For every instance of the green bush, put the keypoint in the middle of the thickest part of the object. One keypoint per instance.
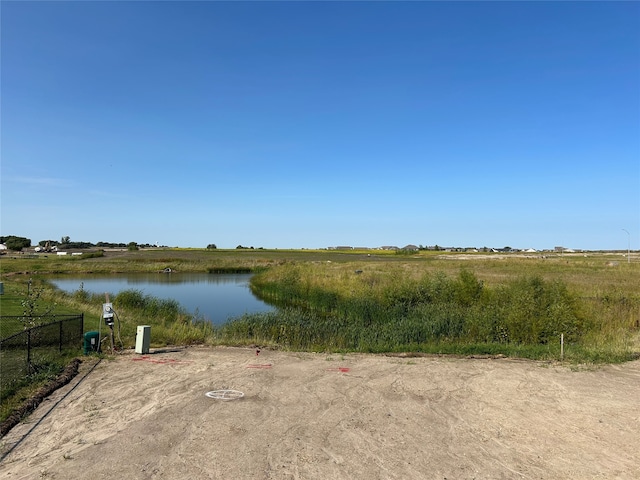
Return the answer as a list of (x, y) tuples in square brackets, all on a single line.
[(536, 312), (148, 305)]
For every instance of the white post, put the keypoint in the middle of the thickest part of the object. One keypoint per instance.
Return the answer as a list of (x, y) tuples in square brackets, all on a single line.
[(561, 346), (628, 246)]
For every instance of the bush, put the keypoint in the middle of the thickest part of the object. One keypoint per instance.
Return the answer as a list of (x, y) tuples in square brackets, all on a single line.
[(535, 311), (148, 304)]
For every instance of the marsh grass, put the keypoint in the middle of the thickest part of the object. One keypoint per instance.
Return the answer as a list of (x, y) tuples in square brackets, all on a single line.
[(517, 311), (427, 302)]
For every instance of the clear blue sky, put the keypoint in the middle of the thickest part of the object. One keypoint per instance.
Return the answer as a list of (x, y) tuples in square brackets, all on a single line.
[(315, 124)]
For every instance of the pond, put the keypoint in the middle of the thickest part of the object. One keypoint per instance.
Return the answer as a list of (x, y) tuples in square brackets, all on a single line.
[(215, 297)]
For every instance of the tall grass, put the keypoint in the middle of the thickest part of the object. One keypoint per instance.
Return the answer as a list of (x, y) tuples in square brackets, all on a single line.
[(171, 323), (430, 303), (391, 309)]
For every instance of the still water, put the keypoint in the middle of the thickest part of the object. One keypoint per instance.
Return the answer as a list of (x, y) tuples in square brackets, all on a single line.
[(216, 297)]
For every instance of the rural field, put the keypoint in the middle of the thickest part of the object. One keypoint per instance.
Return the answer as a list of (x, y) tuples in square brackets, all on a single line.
[(390, 366)]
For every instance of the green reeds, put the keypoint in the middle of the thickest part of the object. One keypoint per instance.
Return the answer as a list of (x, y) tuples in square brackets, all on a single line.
[(390, 310)]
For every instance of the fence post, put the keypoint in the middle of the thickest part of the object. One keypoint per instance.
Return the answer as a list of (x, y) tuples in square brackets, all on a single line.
[(29, 350)]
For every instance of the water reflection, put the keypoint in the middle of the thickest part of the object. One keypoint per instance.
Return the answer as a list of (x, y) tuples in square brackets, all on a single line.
[(216, 297)]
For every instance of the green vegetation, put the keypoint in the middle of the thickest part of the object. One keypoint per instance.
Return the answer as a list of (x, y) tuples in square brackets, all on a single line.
[(375, 301), (410, 308), (15, 243), (367, 301), (19, 392)]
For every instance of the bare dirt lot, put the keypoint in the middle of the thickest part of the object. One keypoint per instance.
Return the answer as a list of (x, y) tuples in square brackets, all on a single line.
[(321, 416)]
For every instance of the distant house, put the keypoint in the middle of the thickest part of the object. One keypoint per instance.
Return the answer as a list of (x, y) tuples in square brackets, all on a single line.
[(388, 247), (410, 248)]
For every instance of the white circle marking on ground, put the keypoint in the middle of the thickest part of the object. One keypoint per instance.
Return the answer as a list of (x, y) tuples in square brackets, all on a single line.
[(224, 394)]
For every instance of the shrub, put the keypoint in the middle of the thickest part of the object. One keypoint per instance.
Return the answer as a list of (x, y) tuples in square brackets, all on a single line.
[(535, 311)]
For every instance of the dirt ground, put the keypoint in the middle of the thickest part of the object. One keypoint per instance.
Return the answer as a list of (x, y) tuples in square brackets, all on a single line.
[(321, 416)]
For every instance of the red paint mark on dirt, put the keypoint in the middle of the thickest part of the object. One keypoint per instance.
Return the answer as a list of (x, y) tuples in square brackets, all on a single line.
[(339, 369)]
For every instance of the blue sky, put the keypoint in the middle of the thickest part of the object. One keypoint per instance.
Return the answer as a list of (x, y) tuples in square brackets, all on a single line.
[(316, 124)]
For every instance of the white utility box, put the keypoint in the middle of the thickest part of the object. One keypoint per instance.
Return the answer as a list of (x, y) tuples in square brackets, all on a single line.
[(143, 338)]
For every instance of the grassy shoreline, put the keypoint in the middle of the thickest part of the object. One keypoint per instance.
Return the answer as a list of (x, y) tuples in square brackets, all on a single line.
[(387, 295)]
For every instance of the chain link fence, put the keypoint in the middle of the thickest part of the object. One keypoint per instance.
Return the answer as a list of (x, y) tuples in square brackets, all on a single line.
[(37, 349)]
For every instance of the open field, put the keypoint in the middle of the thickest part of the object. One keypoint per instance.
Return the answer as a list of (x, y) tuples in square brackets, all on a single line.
[(318, 416), (504, 300), (590, 270)]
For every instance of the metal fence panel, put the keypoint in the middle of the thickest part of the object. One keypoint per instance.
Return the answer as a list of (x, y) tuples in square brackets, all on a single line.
[(34, 349), (14, 324)]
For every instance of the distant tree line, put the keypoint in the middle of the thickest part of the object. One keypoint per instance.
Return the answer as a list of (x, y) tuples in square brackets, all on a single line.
[(17, 243)]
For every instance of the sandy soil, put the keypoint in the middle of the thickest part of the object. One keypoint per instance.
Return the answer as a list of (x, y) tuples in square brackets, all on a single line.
[(319, 416)]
